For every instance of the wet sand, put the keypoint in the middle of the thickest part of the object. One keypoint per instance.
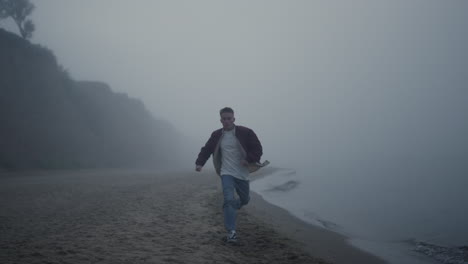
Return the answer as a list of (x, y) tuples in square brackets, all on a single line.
[(117, 216)]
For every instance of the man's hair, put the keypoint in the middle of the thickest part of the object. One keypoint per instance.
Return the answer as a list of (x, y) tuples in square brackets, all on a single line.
[(226, 110)]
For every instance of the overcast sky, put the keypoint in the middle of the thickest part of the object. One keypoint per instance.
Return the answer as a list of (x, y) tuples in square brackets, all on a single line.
[(314, 79)]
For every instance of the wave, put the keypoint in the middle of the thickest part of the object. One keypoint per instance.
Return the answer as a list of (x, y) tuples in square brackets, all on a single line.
[(443, 254), (285, 187), (279, 179)]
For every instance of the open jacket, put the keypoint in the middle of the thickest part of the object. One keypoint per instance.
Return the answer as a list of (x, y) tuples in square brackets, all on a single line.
[(250, 147)]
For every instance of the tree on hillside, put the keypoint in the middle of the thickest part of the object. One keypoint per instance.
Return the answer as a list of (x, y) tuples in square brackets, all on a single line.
[(3, 12), (19, 10)]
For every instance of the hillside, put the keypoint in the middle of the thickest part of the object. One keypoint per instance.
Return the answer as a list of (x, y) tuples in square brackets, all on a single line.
[(50, 121)]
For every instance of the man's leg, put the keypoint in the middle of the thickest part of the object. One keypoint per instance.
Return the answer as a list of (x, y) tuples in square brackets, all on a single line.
[(230, 204), (243, 190)]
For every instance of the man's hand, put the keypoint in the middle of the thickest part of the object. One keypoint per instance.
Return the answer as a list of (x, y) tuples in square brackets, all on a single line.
[(244, 163), (198, 168)]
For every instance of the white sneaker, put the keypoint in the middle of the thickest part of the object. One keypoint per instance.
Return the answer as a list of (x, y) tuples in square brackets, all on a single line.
[(231, 237)]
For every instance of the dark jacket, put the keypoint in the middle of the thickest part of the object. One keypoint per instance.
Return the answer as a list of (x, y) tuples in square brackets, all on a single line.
[(250, 146)]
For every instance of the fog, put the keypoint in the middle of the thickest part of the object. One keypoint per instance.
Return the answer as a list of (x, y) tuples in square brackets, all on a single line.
[(343, 83), (340, 83), (370, 93)]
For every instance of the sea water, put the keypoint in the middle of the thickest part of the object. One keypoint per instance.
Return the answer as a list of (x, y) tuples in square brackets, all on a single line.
[(401, 218)]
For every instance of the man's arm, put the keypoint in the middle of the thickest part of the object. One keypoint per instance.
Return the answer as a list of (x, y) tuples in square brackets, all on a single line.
[(205, 152), (255, 150)]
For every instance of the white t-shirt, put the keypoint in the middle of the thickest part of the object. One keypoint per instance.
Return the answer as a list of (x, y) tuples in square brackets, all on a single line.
[(231, 156)]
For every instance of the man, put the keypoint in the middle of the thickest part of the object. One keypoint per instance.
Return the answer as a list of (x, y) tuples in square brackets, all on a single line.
[(236, 152)]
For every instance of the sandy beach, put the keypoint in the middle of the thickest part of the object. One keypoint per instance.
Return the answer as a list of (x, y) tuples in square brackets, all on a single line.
[(117, 216)]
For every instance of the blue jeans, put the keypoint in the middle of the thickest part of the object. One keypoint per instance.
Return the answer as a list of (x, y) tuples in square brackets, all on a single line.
[(231, 204)]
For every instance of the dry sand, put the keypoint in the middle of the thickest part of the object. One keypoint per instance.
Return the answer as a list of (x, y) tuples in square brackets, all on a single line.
[(147, 217)]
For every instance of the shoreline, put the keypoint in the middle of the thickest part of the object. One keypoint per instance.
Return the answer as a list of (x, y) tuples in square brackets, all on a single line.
[(319, 242), (385, 251)]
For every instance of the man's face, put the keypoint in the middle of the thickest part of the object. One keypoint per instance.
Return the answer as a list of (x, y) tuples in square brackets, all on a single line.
[(227, 119)]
